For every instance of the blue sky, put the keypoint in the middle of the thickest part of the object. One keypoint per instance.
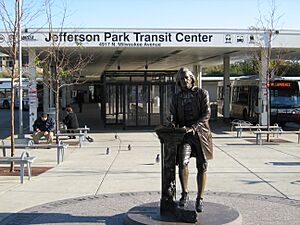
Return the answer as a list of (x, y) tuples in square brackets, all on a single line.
[(179, 13), (170, 13)]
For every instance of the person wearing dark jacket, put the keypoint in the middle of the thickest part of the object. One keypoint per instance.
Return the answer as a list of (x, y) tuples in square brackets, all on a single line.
[(71, 120), (190, 109), (43, 127)]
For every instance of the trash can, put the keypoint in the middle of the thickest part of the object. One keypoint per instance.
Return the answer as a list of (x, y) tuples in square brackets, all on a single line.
[(214, 110)]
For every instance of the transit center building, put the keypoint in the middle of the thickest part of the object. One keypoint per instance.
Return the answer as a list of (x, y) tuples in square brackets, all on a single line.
[(132, 71)]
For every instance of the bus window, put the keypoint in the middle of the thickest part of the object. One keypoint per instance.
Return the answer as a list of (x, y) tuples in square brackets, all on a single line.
[(243, 95), (220, 93), (5, 96), (285, 94)]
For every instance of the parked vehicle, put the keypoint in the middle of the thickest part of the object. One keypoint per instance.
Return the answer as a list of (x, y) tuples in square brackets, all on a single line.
[(5, 94), (284, 98)]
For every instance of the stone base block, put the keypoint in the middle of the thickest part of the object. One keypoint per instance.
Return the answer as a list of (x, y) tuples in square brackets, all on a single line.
[(213, 214)]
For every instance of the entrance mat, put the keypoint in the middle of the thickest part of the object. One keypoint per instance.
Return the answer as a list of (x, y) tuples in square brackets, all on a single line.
[(35, 171), (273, 141)]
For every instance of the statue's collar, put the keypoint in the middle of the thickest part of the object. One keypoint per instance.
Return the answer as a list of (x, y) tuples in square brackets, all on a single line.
[(194, 88)]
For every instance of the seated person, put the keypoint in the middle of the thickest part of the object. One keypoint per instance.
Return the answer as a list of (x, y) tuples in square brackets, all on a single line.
[(43, 127), (71, 120)]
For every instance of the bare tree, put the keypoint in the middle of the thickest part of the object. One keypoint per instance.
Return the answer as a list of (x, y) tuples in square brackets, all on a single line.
[(11, 16), (268, 63), (63, 66), (14, 14), (10, 24)]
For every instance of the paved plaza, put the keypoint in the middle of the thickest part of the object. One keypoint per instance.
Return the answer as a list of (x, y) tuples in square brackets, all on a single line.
[(93, 187)]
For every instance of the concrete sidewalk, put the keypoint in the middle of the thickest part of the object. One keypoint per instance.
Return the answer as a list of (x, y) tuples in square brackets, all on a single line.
[(239, 166)]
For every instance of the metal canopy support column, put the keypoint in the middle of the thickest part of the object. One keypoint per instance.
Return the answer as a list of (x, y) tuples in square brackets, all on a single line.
[(46, 92), (32, 94), (226, 87), (64, 97), (19, 29), (197, 70), (68, 97), (262, 94), (51, 83)]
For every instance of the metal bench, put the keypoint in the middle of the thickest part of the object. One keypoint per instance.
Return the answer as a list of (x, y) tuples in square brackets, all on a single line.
[(22, 160), (83, 130), (237, 122), (60, 147), (239, 128), (259, 134), (80, 135)]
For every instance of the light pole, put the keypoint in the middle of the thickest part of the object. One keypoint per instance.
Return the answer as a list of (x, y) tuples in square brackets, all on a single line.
[(19, 14)]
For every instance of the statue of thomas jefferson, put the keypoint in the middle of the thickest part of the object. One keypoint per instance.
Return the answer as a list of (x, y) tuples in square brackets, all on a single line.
[(190, 109)]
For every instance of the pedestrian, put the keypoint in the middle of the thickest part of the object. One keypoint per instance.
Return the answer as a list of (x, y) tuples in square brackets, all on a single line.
[(190, 109), (80, 100), (43, 127), (71, 120)]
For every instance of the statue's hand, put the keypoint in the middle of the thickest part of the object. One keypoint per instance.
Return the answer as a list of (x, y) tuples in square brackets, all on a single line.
[(190, 130), (171, 121), (171, 125)]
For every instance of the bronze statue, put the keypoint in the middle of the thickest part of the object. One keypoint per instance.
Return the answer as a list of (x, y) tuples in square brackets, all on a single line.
[(190, 109)]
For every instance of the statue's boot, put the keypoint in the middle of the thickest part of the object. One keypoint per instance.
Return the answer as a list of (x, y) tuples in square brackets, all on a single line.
[(184, 177), (201, 181)]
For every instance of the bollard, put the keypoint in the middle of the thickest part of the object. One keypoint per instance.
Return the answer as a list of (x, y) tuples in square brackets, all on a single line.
[(157, 158)]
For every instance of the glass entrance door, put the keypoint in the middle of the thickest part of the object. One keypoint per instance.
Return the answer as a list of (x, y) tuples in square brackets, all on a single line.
[(114, 104), (137, 98), (138, 104), (155, 104)]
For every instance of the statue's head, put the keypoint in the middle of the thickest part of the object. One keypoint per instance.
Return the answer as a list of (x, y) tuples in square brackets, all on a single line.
[(185, 78)]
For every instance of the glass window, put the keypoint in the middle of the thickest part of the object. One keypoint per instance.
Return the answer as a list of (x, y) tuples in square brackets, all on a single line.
[(285, 94)]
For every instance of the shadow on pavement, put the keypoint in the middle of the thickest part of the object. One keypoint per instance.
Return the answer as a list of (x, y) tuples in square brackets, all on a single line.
[(54, 218)]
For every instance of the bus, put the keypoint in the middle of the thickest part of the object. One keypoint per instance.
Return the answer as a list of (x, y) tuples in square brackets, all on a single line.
[(5, 93), (284, 98)]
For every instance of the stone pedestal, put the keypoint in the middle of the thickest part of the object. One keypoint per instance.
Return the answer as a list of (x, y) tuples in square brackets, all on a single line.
[(169, 138), (213, 214), (186, 214)]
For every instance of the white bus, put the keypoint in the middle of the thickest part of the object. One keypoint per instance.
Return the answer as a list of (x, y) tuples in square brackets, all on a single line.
[(5, 93), (284, 98)]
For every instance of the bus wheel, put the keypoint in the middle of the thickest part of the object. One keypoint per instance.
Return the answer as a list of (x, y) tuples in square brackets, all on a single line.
[(6, 105), (245, 114)]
